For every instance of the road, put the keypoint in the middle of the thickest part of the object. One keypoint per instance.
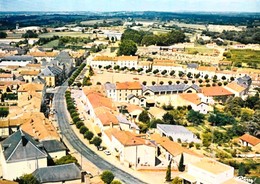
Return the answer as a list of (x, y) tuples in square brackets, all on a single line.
[(77, 144)]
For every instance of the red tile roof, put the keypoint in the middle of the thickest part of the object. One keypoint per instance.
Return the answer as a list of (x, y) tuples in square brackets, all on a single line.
[(250, 139), (128, 85), (215, 91)]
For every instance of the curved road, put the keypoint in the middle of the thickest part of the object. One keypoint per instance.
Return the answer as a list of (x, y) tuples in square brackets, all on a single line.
[(62, 117)]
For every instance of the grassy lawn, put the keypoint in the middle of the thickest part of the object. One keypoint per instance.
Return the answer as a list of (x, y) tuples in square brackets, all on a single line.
[(199, 50), (245, 56), (51, 44), (71, 34)]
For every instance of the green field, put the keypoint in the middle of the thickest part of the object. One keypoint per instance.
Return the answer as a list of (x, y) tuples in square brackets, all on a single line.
[(199, 50), (71, 34), (51, 44), (245, 56)]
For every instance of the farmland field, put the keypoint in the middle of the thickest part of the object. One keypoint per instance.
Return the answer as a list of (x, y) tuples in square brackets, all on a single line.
[(245, 56), (71, 34), (51, 44)]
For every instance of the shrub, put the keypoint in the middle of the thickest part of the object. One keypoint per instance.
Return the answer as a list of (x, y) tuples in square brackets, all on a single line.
[(107, 176), (83, 129), (88, 135), (79, 124)]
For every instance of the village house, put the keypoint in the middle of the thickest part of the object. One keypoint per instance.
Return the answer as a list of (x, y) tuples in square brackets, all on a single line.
[(21, 152), (158, 90), (206, 70), (196, 100), (168, 150), (53, 75), (216, 94), (44, 56), (54, 148), (66, 173), (177, 133), (31, 96), (251, 141), (238, 90), (16, 60), (131, 149), (29, 75), (167, 65), (121, 91), (6, 77), (209, 171), (102, 61), (127, 61)]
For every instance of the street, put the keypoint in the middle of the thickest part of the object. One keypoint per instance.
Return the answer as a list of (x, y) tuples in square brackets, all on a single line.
[(68, 133)]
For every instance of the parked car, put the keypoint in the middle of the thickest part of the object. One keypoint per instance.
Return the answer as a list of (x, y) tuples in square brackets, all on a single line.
[(107, 152), (100, 148)]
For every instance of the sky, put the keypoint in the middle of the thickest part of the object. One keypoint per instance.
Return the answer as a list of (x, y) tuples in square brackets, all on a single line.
[(132, 5)]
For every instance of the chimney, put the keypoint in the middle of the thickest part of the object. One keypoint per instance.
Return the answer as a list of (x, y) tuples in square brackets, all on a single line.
[(24, 140)]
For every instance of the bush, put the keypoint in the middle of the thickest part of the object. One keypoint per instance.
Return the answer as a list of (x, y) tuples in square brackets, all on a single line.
[(88, 135), (83, 129), (197, 145), (66, 160), (107, 176), (79, 124), (96, 141)]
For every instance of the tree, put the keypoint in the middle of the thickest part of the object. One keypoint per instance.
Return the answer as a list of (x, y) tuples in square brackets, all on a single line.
[(223, 77), (116, 182), (107, 176), (170, 82), (88, 135), (127, 47), (153, 83), (241, 169), (96, 141), (149, 40), (172, 73), (200, 81), (168, 118), (144, 117), (189, 75), (30, 34), (195, 117), (168, 172), (161, 82), (154, 123), (66, 160), (181, 166), (176, 180), (3, 34), (206, 139), (27, 179), (206, 76), (144, 83)]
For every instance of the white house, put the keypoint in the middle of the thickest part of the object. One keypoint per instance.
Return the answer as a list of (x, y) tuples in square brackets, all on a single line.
[(177, 132), (21, 152), (130, 148), (209, 171)]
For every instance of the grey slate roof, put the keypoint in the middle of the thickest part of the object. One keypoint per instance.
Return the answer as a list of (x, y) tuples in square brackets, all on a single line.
[(39, 80), (122, 119), (244, 81), (53, 146), (64, 57), (21, 146), (109, 86), (18, 58), (51, 71), (166, 88), (58, 173), (173, 129)]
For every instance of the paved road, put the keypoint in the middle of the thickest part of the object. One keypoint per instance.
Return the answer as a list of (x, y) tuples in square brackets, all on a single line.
[(62, 117)]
